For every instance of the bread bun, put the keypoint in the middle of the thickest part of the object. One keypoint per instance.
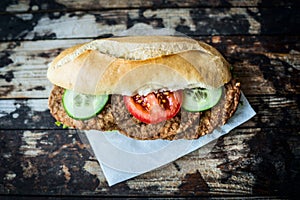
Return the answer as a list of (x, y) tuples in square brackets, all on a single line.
[(127, 65)]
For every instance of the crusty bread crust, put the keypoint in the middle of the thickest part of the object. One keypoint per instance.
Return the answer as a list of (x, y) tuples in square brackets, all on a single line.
[(139, 64)]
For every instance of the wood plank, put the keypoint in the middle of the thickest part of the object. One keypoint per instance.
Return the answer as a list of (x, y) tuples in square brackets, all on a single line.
[(263, 64), (272, 111), (259, 158), (244, 162), (87, 197), (23, 66), (67, 5), (190, 21)]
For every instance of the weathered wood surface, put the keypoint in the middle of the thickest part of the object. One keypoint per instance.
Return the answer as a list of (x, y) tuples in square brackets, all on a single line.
[(259, 158), (191, 21), (24, 64), (246, 161), (65, 5)]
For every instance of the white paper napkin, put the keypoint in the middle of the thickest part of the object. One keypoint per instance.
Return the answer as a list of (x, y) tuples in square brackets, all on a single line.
[(122, 158)]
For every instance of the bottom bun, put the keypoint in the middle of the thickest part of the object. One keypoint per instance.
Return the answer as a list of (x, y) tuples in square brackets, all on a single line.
[(185, 125)]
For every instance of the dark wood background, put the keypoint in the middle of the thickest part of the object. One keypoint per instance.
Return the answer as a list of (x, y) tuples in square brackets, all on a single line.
[(260, 158)]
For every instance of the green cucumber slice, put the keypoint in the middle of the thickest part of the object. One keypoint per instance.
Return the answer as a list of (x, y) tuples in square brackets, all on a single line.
[(200, 99), (82, 106)]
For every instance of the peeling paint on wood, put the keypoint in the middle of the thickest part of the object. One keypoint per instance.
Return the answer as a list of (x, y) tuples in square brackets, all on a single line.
[(31, 112), (93, 168), (73, 24), (28, 63), (67, 173), (29, 147), (252, 61), (224, 170), (29, 170), (63, 5), (258, 37), (190, 21)]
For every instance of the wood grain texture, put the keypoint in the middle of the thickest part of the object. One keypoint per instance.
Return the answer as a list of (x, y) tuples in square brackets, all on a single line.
[(261, 66), (67, 5), (25, 66), (259, 159), (190, 21), (242, 163)]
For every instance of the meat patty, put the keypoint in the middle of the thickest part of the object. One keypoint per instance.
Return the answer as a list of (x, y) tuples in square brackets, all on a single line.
[(185, 125)]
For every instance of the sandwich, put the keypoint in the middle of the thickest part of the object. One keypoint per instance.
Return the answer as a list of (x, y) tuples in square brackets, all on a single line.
[(145, 87)]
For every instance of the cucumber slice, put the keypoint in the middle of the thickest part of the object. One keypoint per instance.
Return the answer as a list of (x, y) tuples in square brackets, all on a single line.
[(82, 106), (199, 99)]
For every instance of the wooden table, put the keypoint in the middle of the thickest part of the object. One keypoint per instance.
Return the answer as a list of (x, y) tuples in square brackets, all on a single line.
[(259, 158)]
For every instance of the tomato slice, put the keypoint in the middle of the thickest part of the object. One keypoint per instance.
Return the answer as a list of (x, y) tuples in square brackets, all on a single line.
[(154, 107)]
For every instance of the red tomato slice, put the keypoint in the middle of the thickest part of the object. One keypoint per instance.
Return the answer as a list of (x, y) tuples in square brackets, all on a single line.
[(155, 107)]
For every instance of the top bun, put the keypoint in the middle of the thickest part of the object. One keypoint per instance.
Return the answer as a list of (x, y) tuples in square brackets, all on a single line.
[(139, 64)]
